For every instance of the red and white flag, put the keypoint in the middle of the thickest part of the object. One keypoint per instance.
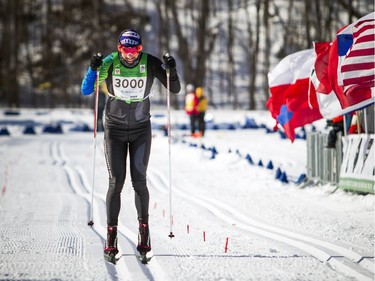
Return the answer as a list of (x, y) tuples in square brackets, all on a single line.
[(289, 84)]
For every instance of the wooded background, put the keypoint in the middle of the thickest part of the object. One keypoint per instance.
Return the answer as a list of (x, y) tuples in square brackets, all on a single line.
[(226, 46)]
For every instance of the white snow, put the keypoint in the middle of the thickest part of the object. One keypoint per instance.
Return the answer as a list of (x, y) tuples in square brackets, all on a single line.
[(273, 230)]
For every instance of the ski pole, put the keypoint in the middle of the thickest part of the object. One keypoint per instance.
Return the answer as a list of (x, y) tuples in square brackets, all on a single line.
[(96, 98), (169, 147)]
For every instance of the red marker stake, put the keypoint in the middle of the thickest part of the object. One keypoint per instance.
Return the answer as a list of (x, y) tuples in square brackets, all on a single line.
[(188, 229), (204, 236), (4, 189), (226, 245)]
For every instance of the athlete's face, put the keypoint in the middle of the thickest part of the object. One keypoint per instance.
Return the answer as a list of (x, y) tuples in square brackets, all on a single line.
[(130, 54)]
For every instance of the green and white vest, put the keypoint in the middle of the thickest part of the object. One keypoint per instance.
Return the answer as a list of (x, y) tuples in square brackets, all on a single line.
[(129, 84)]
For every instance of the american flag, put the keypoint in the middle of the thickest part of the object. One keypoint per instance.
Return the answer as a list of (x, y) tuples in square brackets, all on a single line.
[(351, 64), (356, 50), (329, 105)]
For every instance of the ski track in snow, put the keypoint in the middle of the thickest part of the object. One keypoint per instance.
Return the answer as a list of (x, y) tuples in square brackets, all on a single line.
[(349, 262), (81, 187), (341, 259)]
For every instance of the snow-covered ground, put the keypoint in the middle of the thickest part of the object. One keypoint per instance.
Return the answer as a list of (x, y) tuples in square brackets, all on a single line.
[(231, 220)]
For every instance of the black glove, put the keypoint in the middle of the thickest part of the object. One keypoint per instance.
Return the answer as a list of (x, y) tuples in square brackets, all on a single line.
[(96, 61), (169, 61)]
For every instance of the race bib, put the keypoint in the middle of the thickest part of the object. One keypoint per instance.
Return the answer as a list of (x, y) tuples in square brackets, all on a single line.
[(129, 89)]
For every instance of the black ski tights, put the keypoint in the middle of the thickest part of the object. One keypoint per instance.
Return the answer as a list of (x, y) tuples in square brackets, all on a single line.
[(117, 144)]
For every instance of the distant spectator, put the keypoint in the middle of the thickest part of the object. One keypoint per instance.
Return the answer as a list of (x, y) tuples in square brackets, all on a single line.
[(355, 126), (191, 102), (352, 126), (201, 110), (337, 125)]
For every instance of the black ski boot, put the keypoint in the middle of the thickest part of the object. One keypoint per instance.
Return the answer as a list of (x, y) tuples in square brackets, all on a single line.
[(110, 248), (144, 243)]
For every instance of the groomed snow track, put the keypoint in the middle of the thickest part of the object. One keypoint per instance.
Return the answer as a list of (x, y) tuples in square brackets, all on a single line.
[(341, 259), (77, 243), (128, 267)]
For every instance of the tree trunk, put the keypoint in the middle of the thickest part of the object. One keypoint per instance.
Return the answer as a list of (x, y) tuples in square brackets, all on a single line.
[(307, 24), (231, 64), (267, 51), (10, 46), (253, 54)]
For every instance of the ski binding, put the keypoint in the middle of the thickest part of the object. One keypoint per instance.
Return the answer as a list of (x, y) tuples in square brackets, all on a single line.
[(111, 257), (145, 257)]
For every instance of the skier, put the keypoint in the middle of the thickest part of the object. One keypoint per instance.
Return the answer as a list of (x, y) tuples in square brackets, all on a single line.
[(129, 74)]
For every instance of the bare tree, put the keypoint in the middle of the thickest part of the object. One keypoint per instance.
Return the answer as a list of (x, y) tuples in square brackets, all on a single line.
[(267, 50), (11, 18), (194, 56), (253, 47), (354, 12), (231, 64), (45, 45)]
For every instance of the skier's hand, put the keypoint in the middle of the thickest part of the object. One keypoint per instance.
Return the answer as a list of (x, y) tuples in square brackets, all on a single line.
[(96, 61), (169, 61)]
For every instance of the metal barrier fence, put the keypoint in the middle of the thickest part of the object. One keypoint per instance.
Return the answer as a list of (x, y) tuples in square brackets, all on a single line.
[(323, 164)]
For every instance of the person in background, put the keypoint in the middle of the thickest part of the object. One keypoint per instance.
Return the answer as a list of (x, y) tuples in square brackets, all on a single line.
[(191, 102), (337, 125), (355, 125), (352, 126), (129, 74), (201, 109)]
